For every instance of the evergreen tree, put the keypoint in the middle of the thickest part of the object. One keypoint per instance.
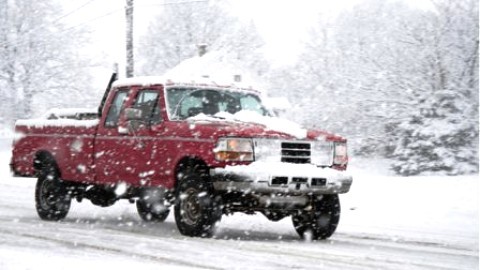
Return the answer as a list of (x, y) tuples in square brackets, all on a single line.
[(397, 81), (438, 138), (441, 134)]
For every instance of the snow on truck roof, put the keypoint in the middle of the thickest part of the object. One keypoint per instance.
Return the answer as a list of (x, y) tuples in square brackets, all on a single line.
[(196, 83)]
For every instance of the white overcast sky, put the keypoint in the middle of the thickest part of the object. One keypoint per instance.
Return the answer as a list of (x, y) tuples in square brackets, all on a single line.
[(283, 23)]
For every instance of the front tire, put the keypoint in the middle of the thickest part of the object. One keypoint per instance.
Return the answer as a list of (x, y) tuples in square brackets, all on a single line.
[(320, 222), (52, 200), (197, 210)]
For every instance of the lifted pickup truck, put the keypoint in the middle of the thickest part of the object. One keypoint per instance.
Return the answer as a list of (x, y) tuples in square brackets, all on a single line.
[(207, 150)]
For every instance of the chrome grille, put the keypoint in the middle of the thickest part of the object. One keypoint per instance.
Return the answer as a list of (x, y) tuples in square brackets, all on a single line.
[(317, 152), (293, 152)]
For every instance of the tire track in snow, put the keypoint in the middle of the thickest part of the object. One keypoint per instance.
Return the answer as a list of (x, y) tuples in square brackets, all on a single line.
[(448, 249), (341, 252), (76, 244), (227, 248), (347, 260)]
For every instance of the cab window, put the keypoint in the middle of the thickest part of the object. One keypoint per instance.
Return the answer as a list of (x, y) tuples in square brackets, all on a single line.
[(114, 111), (147, 102)]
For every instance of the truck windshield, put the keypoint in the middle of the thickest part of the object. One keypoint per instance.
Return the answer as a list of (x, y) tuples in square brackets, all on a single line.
[(188, 102)]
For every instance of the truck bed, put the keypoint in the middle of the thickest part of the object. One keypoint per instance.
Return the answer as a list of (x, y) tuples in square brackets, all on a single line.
[(51, 134)]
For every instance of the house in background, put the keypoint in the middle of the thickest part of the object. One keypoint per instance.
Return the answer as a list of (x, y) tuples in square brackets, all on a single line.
[(218, 67), (224, 69)]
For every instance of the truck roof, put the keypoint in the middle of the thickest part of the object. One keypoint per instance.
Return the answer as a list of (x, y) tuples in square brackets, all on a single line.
[(196, 83)]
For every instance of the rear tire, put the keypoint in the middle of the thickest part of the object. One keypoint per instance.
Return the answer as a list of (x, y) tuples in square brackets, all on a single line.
[(197, 209), (152, 212), (52, 199), (322, 221)]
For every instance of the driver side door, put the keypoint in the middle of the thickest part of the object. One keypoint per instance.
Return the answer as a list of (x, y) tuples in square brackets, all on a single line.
[(128, 152)]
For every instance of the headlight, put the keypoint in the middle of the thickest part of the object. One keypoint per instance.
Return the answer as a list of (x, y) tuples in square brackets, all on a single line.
[(234, 149), (340, 156)]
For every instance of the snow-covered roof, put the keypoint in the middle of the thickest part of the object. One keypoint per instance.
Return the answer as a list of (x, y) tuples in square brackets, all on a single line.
[(140, 80), (197, 82), (214, 69), (218, 67)]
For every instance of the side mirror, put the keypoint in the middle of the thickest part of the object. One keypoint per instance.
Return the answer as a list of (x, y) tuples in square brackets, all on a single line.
[(132, 114), (134, 119)]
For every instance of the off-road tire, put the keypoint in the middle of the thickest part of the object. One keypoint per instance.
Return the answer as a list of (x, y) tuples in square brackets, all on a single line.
[(148, 211), (320, 222), (197, 209), (52, 199)]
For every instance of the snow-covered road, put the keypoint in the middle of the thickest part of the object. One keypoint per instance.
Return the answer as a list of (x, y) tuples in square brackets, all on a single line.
[(386, 223)]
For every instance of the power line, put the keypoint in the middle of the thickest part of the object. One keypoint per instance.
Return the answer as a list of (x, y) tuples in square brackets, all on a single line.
[(19, 42), (93, 19), (53, 22), (181, 2), (73, 11)]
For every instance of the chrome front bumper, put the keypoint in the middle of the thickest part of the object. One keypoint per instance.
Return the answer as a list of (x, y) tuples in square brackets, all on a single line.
[(281, 178)]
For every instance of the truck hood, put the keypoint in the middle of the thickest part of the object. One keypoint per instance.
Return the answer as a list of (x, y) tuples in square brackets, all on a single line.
[(251, 124), (212, 128)]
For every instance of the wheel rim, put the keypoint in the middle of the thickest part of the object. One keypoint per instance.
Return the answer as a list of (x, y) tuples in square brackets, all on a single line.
[(323, 221), (191, 208), (47, 195)]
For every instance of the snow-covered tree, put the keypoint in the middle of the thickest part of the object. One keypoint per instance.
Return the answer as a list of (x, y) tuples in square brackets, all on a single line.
[(38, 56), (349, 74), (396, 80), (441, 134), (182, 26)]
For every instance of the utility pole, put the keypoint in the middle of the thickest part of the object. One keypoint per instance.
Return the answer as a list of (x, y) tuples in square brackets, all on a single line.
[(129, 38)]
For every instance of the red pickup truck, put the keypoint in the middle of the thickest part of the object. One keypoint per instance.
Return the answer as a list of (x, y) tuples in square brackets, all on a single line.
[(205, 149)]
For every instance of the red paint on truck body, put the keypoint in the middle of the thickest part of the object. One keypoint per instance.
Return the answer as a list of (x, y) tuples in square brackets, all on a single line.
[(100, 154)]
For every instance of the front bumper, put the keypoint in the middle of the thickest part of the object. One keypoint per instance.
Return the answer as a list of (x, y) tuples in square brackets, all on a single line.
[(281, 178)]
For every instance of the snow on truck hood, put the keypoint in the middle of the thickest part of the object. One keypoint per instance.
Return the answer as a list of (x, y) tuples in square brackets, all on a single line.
[(274, 124)]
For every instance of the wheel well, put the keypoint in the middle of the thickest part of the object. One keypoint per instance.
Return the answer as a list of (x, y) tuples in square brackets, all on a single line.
[(41, 157), (191, 164)]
